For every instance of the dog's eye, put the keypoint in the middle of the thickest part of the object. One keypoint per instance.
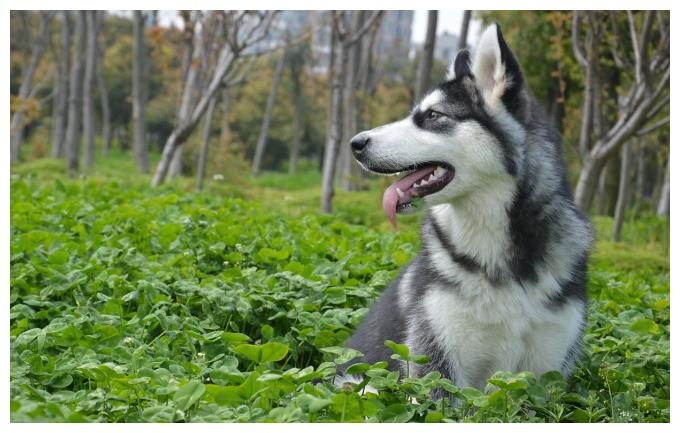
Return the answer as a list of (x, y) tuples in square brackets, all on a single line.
[(432, 115)]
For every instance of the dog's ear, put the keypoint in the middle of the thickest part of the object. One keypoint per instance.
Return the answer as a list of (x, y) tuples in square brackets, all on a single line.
[(497, 72), (460, 66)]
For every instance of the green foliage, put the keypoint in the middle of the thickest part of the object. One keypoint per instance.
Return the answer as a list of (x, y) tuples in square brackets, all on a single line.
[(131, 304)]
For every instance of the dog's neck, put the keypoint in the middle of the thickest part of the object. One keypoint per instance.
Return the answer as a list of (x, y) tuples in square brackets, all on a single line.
[(478, 224)]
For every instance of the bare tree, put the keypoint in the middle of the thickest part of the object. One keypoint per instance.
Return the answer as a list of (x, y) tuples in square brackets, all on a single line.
[(640, 173), (296, 62), (425, 66), (62, 89), (75, 99), (103, 93), (225, 131), (331, 72), (205, 143), (345, 162), (664, 207), (645, 97), (198, 73), (189, 21), (269, 110), (624, 189), (139, 58), (605, 82), (88, 88), (242, 31), (191, 81), (344, 40), (465, 25), (27, 90), (357, 78)]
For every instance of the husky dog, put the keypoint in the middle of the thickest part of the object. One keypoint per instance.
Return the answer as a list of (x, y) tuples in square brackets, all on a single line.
[(500, 281)]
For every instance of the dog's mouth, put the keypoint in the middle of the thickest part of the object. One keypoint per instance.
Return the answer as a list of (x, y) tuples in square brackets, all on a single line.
[(424, 180)]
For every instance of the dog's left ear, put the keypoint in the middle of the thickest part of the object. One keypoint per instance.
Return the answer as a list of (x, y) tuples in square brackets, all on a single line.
[(497, 72)]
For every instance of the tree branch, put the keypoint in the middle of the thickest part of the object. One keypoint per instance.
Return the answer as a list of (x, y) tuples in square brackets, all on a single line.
[(659, 105), (643, 67), (654, 126), (663, 29), (627, 125), (663, 52), (639, 47), (622, 61), (367, 26), (575, 31), (339, 24)]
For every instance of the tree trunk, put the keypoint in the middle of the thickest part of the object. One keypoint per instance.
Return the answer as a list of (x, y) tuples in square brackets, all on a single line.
[(187, 52), (297, 121), (331, 72), (587, 110), (138, 92), (191, 78), (600, 194), (26, 89), (462, 40), (664, 207), (103, 94), (624, 189), (366, 81), (608, 187), (425, 66), (348, 168), (75, 99), (587, 184), (225, 132), (640, 174), (612, 184), (269, 110), (335, 133), (224, 129), (61, 96), (176, 164), (605, 87), (205, 143), (88, 88)]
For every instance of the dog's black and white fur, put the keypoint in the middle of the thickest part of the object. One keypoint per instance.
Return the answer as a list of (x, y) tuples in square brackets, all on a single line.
[(500, 281)]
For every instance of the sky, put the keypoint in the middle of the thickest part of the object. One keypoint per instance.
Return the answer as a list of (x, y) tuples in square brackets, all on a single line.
[(448, 20)]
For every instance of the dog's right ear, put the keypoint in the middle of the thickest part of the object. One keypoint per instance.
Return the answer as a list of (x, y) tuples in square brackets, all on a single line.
[(497, 72), (460, 66)]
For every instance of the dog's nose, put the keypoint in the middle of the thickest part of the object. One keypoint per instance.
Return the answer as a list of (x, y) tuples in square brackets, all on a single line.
[(360, 141)]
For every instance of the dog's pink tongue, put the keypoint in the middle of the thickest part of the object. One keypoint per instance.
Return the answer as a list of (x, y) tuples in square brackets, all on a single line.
[(391, 198)]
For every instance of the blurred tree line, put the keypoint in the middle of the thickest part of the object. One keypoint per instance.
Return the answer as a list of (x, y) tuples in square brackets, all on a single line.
[(236, 91)]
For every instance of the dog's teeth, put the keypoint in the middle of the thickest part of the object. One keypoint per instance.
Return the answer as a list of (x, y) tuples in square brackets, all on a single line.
[(400, 193), (432, 177)]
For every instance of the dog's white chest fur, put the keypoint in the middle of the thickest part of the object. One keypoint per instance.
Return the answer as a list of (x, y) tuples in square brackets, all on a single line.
[(481, 326), (512, 333)]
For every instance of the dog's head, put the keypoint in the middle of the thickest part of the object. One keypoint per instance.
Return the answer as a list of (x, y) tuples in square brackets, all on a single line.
[(461, 137)]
